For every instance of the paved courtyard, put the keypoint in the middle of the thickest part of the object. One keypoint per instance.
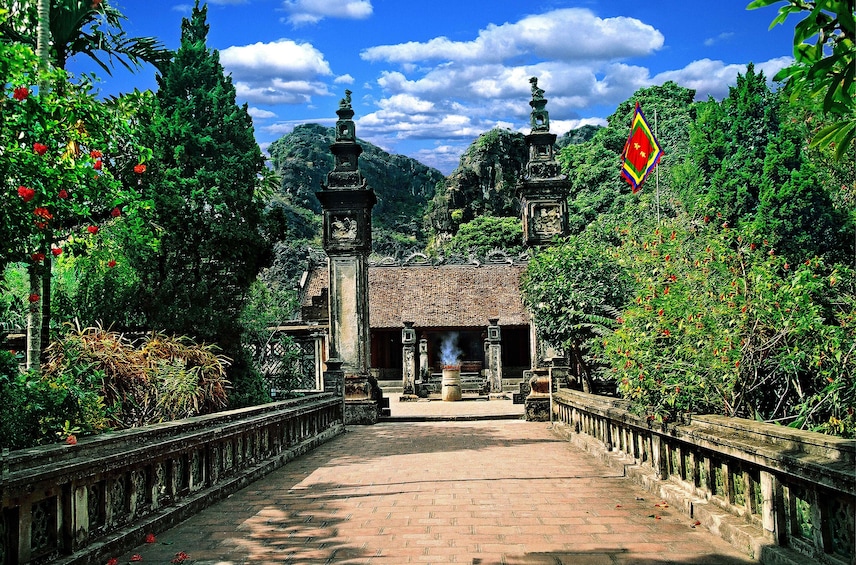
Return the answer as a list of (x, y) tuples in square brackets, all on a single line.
[(479, 492)]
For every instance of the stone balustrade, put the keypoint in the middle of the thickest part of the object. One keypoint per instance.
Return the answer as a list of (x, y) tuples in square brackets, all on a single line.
[(779, 494), (83, 503)]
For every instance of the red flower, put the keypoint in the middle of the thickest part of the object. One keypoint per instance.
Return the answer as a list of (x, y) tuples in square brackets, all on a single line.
[(660, 312), (752, 247), (21, 93), (43, 213), (38, 257), (737, 363), (41, 225), (95, 154), (57, 251), (667, 257), (666, 332), (136, 557), (139, 169), (180, 557), (111, 263), (706, 219), (97, 166), (26, 193), (40, 148), (115, 212), (63, 194), (33, 298), (112, 561), (71, 440), (92, 229), (787, 266), (666, 290), (150, 538)]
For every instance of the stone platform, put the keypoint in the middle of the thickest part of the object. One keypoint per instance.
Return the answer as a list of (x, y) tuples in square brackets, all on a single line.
[(485, 491)]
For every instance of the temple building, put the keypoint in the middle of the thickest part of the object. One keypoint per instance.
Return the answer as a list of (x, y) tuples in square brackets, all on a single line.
[(424, 314)]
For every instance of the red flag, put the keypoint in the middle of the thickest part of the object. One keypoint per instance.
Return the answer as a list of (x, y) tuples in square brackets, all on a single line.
[(642, 152)]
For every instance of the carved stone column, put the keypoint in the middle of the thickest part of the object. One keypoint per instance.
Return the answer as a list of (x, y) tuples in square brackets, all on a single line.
[(543, 194), (408, 358), (494, 355), (347, 203)]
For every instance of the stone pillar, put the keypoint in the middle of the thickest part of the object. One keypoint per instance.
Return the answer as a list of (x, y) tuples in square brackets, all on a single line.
[(408, 358), (494, 355), (347, 202), (542, 191)]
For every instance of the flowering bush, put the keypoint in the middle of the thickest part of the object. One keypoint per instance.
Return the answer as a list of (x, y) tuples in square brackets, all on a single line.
[(721, 324)]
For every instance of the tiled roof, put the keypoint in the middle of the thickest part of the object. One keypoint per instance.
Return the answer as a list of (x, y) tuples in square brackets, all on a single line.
[(438, 296)]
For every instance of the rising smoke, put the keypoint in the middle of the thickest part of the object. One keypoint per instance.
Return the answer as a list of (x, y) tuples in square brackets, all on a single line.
[(450, 354)]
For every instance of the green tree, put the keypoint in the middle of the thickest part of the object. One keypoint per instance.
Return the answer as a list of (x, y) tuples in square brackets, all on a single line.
[(202, 182), (593, 167), (575, 291), (91, 28), (486, 233), (825, 64)]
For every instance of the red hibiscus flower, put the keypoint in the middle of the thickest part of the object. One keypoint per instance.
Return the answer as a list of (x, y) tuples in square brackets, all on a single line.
[(40, 148), (43, 213), (21, 93), (63, 194), (26, 194), (57, 251), (139, 169), (150, 538), (180, 557), (136, 557), (98, 164), (111, 263), (38, 257), (34, 298), (115, 212), (95, 154), (71, 440), (112, 561), (92, 229)]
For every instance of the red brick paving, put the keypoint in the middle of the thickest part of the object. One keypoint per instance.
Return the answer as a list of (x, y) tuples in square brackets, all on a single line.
[(480, 492)]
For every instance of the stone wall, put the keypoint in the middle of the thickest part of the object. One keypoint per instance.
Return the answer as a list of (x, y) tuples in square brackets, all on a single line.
[(82, 503), (781, 495)]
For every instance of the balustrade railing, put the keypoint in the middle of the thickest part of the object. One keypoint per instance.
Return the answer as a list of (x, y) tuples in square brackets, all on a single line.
[(797, 488), (78, 503)]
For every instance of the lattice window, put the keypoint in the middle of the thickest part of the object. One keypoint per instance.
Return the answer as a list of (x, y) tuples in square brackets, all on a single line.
[(800, 514), (842, 527), (718, 480), (197, 471), (119, 499), (141, 493), (739, 484), (43, 527), (757, 494), (95, 506), (5, 546)]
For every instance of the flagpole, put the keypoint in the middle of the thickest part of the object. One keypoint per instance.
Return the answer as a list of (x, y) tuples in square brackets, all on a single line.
[(657, 172)]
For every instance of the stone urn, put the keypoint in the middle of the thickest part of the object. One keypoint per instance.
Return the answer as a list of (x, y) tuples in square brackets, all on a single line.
[(451, 383)]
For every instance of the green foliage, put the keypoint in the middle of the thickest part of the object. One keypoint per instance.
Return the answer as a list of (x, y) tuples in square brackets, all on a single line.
[(593, 167), (824, 66), (486, 233), (722, 324), (83, 27), (575, 291), (205, 217)]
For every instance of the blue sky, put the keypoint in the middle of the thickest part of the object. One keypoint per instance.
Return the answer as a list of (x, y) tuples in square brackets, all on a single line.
[(428, 76)]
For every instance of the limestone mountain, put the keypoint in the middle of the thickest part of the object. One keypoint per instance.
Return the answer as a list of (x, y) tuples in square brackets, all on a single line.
[(577, 136), (483, 184), (403, 185)]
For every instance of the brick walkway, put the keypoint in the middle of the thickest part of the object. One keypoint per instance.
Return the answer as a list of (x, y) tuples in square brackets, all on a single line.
[(486, 492)]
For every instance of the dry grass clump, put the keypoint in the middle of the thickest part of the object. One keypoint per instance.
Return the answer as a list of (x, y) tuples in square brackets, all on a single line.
[(161, 378)]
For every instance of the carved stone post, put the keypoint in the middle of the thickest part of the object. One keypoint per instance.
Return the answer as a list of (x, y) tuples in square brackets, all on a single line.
[(494, 355), (408, 357), (543, 194), (347, 203)]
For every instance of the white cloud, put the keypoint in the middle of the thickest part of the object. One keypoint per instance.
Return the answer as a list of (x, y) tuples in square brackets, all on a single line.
[(724, 36), (713, 78), (280, 72), (544, 35), (283, 58), (344, 79), (259, 114), (312, 11), (182, 8)]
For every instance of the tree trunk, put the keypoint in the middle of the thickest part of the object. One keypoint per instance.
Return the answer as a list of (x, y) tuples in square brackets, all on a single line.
[(34, 320), (37, 284)]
